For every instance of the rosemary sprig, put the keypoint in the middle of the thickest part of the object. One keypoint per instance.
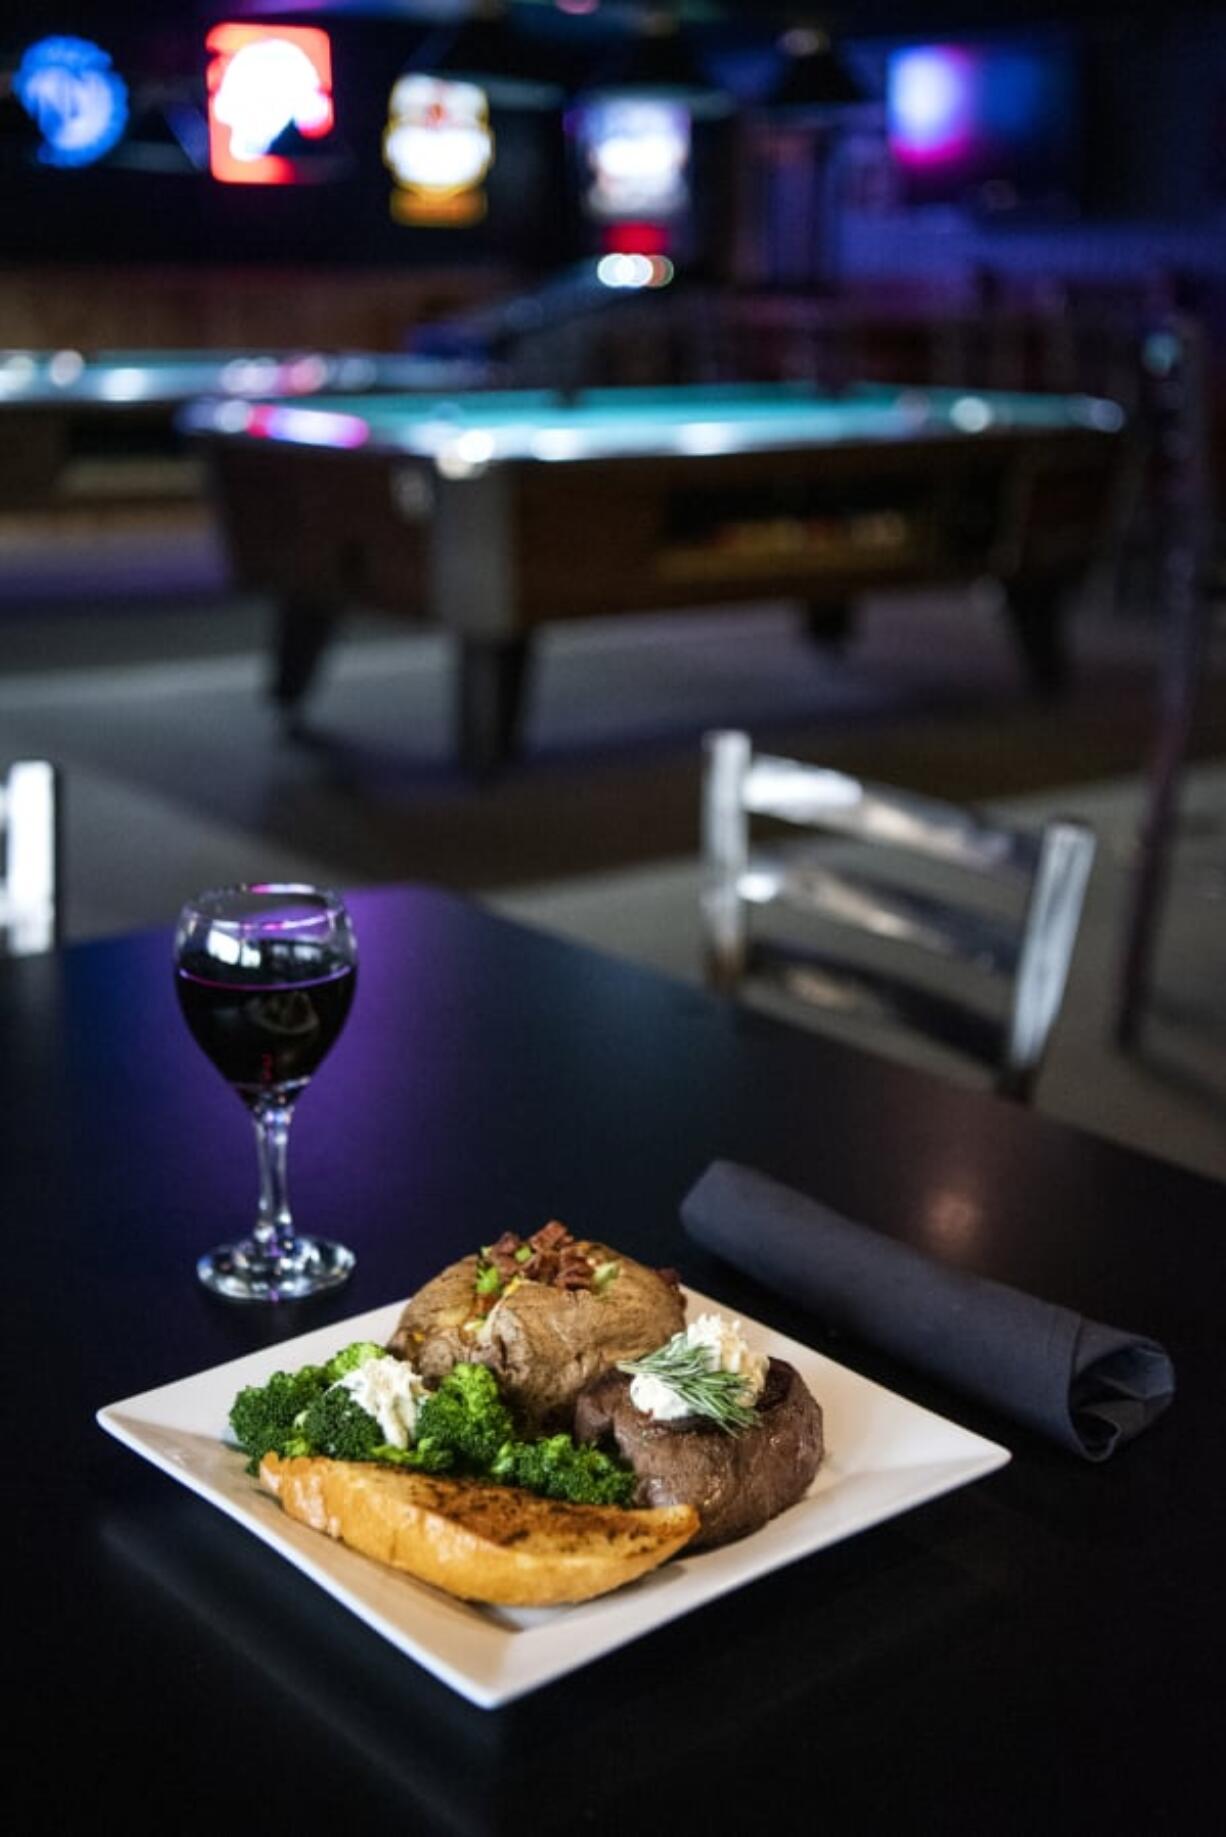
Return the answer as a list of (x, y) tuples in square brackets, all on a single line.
[(687, 1372)]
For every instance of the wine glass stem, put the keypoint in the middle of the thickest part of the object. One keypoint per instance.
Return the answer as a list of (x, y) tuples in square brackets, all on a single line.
[(274, 1229)]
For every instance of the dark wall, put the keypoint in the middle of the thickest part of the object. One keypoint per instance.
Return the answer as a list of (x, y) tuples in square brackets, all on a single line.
[(1152, 188)]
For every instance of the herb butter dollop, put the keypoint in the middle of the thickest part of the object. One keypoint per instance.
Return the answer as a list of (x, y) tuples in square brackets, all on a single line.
[(726, 1348), (391, 1391)]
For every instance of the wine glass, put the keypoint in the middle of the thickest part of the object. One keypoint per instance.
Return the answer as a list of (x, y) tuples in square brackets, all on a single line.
[(265, 976)]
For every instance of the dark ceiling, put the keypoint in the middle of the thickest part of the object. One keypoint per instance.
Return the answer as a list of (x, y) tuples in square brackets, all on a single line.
[(742, 20), (860, 18)]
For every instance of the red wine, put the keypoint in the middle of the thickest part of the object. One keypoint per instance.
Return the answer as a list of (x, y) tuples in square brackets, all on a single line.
[(264, 1037)]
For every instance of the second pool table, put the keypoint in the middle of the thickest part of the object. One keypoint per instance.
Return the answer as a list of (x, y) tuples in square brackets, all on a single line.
[(491, 514), (79, 427)]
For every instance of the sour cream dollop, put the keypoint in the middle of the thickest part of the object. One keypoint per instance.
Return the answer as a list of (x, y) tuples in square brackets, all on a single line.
[(727, 1350), (391, 1391)]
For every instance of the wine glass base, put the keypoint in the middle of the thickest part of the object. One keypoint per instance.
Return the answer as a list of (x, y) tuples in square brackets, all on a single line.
[(248, 1272)]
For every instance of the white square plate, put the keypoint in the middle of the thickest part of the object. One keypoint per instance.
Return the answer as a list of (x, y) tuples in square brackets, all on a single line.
[(884, 1456)]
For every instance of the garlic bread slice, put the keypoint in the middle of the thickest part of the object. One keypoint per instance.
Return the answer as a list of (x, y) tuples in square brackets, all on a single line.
[(479, 1541)]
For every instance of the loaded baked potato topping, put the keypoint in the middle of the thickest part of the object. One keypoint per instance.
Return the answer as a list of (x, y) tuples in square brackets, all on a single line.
[(546, 1323), (551, 1256)]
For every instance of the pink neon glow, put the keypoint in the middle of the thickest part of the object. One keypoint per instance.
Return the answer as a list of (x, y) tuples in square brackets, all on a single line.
[(305, 375)]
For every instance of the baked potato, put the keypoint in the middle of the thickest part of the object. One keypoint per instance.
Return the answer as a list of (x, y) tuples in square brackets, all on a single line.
[(547, 1315)]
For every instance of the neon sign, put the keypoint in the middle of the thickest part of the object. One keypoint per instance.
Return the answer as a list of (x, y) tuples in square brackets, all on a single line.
[(68, 87), (637, 152), (263, 80), (438, 146), (930, 103)]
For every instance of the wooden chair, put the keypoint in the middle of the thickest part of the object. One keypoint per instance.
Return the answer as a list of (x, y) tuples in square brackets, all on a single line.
[(1028, 950), (30, 826)]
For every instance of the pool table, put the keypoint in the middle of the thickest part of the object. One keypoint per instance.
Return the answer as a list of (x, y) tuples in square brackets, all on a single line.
[(491, 514), (78, 426)]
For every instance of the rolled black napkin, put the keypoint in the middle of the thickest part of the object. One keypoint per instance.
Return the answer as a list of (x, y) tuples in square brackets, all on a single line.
[(1087, 1386)]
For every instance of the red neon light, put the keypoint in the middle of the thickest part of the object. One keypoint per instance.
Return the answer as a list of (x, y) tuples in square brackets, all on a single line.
[(635, 239), (291, 84)]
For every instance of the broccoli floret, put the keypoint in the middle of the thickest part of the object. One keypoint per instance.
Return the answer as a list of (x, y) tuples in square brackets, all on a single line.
[(264, 1417), (559, 1469), (268, 1418), (467, 1416), (335, 1424), (360, 1353)]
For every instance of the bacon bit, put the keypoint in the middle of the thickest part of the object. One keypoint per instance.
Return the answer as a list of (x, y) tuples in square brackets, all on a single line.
[(575, 1268), (543, 1266), (557, 1260), (577, 1274), (502, 1254), (551, 1236)]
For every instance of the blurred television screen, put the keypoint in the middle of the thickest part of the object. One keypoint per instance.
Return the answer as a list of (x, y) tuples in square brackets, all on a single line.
[(996, 127)]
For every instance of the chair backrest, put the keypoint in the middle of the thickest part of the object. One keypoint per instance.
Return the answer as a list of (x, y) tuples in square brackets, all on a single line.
[(30, 830), (1046, 871)]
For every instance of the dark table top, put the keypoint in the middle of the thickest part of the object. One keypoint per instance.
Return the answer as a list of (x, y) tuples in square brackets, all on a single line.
[(1038, 1650)]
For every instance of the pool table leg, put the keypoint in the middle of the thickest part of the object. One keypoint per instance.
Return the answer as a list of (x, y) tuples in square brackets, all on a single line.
[(491, 678), (1036, 613), (304, 628), (831, 623)]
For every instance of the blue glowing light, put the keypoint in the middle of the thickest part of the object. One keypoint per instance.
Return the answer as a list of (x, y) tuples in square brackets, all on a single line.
[(67, 86)]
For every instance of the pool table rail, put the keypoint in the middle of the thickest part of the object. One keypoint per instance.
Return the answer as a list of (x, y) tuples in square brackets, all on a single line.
[(491, 548)]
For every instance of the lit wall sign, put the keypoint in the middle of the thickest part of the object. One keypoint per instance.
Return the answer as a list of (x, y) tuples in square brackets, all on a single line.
[(79, 102), (261, 81), (438, 146), (637, 154), (931, 103)]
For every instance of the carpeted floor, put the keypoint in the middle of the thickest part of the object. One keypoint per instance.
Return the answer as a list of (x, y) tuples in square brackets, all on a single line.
[(1167, 1095), (177, 776), (930, 696)]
